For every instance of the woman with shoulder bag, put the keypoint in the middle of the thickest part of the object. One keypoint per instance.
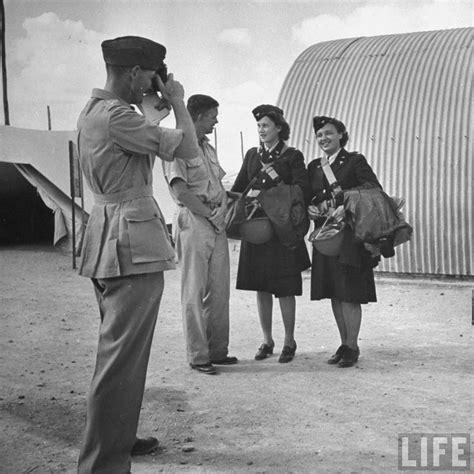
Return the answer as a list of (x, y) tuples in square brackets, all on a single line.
[(270, 268), (347, 279)]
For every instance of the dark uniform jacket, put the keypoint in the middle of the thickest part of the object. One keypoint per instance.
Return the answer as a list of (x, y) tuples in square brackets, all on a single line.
[(351, 171), (290, 167)]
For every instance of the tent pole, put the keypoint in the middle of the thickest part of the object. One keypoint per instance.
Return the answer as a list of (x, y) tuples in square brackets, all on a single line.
[(6, 112)]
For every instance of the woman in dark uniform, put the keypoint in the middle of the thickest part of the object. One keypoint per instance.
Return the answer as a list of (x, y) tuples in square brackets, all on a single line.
[(348, 278), (272, 269)]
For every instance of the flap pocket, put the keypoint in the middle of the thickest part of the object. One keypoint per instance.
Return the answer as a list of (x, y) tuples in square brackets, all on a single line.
[(149, 240), (194, 162)]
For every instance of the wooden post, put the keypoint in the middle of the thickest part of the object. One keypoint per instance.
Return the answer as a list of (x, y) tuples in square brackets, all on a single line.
[(73, 196), (49, 117)]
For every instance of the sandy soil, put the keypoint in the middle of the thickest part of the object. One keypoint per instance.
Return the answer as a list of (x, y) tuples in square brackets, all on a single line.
[(414, 375)]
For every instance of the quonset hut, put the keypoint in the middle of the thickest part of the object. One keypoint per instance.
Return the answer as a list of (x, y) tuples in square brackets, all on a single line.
[(406, 101)]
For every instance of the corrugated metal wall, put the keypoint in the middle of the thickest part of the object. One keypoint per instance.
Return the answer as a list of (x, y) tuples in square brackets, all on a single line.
[(406, 101)]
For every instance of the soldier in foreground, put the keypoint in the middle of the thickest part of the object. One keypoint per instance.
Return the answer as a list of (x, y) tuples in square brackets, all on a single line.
[(126, 245)]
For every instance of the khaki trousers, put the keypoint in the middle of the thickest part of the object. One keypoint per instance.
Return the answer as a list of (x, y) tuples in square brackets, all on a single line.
[(128, 309), (205, 287)]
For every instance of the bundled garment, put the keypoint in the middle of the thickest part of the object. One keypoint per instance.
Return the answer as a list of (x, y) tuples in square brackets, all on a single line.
[(376, 220), (285, 207)]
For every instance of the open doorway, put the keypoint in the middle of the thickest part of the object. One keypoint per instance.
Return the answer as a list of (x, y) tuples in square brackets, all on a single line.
[(24, 218)]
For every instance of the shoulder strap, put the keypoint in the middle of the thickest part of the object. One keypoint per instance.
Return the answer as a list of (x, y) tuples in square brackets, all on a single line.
[(330, 176), (265, 166), (254, 179), (328, 171)]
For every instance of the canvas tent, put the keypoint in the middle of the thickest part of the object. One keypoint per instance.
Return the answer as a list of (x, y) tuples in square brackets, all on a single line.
[(41, 158)]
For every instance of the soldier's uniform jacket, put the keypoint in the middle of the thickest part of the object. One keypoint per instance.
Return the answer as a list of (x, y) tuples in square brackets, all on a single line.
[(126, 232)]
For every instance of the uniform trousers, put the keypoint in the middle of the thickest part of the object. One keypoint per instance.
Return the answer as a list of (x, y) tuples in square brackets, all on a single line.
[(203, 256), (128, 309)]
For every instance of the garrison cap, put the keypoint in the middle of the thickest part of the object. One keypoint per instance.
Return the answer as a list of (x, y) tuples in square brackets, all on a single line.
[(265, 109), (320, 121), (133, 51)]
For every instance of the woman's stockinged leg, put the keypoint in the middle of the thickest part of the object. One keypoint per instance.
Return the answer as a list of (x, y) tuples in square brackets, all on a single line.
[(265, 308), (288, 310), (339, 317), (352, 313)]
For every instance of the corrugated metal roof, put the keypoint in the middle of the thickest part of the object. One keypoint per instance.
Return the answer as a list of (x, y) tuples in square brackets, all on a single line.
[(406, 102)]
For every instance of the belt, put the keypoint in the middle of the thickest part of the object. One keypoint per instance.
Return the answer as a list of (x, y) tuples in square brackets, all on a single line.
[(136, 192)]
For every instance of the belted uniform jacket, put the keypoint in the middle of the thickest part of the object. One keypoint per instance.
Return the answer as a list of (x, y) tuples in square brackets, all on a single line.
[(126, 232), (290, 167)]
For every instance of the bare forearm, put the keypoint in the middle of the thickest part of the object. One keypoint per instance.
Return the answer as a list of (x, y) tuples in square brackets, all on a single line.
[(188, 148), (173, 92), (190, 201)]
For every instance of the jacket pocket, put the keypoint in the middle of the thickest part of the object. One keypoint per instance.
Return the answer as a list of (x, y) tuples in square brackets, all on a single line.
[(149, 240)]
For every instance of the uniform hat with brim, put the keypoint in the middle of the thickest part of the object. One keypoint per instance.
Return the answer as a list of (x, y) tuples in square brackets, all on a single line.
[(266, 109), (321, 121), (133, 51)]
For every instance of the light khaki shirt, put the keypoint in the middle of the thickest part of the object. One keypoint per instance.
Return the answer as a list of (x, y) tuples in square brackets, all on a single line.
[(203, 174), (126, 232)]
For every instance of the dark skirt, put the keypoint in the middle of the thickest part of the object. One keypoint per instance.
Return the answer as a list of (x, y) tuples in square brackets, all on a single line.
[(331, 279), (272, 268)]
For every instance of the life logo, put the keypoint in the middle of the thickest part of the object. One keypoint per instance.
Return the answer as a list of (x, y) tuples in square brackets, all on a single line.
[(434, 451)]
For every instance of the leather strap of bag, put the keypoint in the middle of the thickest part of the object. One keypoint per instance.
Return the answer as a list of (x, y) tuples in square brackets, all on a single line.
[(330, 176), (254, 179), (265, 166)]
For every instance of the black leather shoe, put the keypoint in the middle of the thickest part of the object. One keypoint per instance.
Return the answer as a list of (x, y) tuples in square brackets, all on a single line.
[(226, 361), (349, 358), (144, 446), (208, 369), (337, 356), (264, 351), (287, 354), (357, 354)]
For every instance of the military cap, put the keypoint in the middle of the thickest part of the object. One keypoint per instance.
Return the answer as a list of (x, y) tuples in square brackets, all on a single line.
[(320, 121), (133, 51), (265, 109)]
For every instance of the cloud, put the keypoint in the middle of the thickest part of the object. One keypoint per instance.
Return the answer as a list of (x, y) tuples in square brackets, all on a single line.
[(393, 18), (234, 36), (59, 64)]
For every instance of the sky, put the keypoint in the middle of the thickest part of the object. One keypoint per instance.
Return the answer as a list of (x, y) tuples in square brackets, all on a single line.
[(239, 52)]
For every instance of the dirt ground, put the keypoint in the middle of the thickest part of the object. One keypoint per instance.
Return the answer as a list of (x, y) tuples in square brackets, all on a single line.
[(414, 375)]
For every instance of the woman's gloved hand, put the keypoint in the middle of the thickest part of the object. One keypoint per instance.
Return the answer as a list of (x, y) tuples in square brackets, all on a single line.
[(317, 211)]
